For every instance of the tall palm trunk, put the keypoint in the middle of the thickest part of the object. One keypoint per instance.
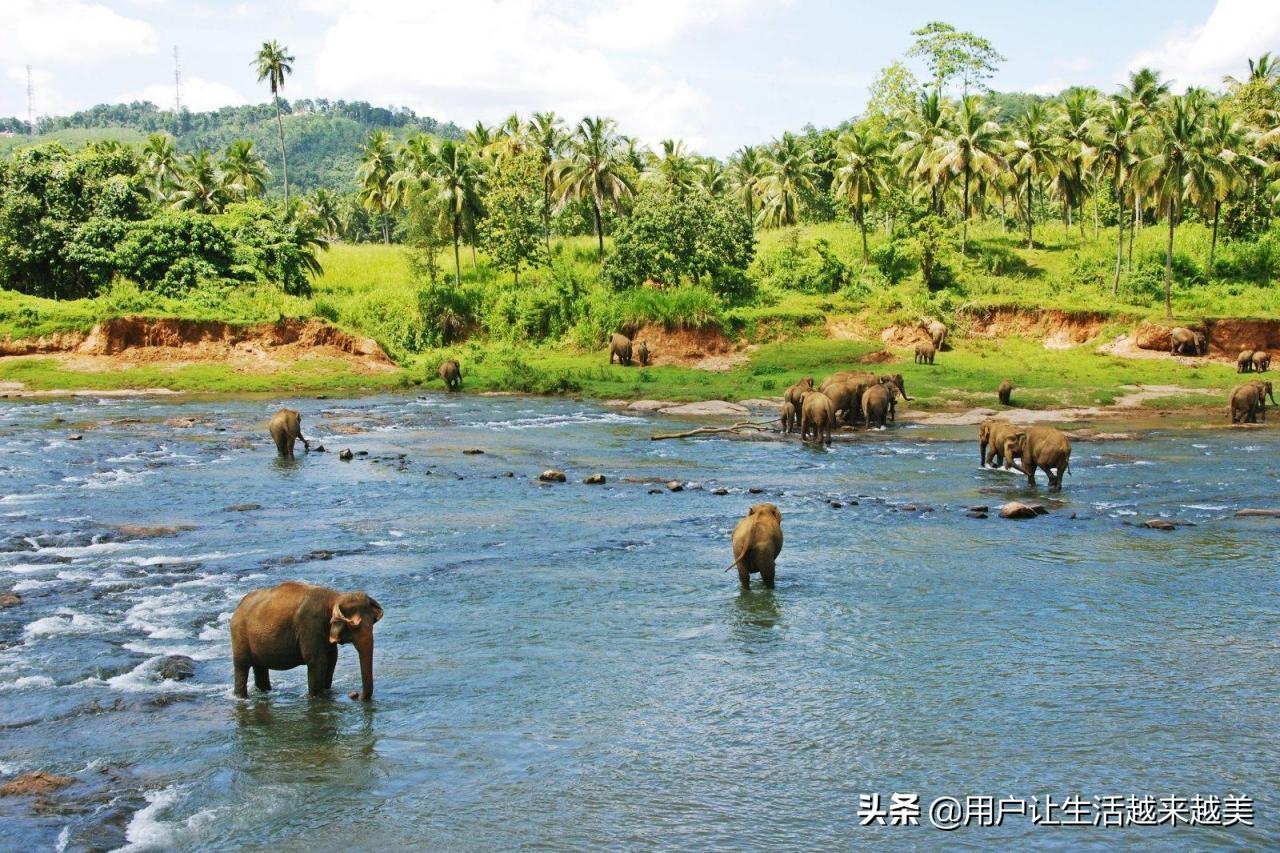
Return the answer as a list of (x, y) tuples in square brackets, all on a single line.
[(1115, 281), (1030, 240), (386, 231), (457, 257), (1128, 262), (546, 210), (862, 226), (1095, 211), (1168, 268), (964, 230), (1213, 242), (284, 158), (595, 210)]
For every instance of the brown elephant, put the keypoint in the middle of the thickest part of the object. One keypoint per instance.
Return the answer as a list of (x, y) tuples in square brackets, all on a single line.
[(788, 417), (1244, 361), (1245, 404), (757, 541), (878, 403), (846, 376), (846, 398), (1004, 392), (925, 353), (817, 417), (898, 380), (991, 437), (936, 330), (451, 374), (1044, 447), (796, 392), (642, 354), (296, 623), (1182, 339), (286, 429), (620, 348), (1261, 361)]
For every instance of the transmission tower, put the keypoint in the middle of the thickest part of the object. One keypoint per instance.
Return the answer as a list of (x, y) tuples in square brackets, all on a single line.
[(177, 83), (31, 102)]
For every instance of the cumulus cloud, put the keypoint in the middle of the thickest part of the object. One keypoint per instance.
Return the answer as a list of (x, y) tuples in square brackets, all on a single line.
[(486, 58), (1235, 29), (198, 95), (69, 31)]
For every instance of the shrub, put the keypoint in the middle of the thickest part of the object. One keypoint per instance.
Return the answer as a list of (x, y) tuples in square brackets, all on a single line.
[(172, 252)]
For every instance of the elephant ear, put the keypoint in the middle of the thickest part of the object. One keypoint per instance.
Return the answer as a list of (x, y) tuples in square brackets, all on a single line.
[(377, 609), (339, 620)]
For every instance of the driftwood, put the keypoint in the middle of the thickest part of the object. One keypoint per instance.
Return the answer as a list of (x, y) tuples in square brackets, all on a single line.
[(739, 426)]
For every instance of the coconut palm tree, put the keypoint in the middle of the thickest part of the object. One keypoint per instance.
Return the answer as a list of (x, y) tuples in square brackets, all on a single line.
[(1117, 138), (1226, 159), (923, 128), (1033, 153), (862, 161), (1265, 70), (674, 166), (160, 165), (244, 170), (456, 182), (972, 147), (595, 170), (1176, 169), (1078, 129), (547, 137), (377, 190), (790, 171), (273, 64), (202, 189), (712, 177), (327, 212), (747, 169)]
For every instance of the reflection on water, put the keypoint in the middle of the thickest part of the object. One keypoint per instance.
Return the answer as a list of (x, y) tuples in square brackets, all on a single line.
[(569, 665)]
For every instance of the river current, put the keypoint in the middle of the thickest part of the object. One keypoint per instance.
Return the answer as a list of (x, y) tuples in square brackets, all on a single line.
[(568, 666)]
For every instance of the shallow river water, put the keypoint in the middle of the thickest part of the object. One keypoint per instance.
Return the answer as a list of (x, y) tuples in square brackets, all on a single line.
[(569, 667)]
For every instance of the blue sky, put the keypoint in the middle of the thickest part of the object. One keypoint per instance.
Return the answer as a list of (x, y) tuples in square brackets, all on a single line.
[(718, 73)]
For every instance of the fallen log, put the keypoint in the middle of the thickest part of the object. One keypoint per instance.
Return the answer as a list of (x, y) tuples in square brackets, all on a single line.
[(739, 426)]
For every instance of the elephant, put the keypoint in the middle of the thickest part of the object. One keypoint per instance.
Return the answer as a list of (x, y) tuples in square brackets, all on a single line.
[(846, 398), (757, 540), (1044, 447), (1261, 361), (620, 348), (1006, 389), (817, 415), (896, 379), (991, 436), (1244, 361), (1245, 404), (286, 429), (936, 330), (296, 623), (642, 354), (1182, 339), (847, 376), (788, 417), (451, 374), (925, 353), (794, 394), (877, 401)]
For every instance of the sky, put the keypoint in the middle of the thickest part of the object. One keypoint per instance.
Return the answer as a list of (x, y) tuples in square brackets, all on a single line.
[(717, 73)]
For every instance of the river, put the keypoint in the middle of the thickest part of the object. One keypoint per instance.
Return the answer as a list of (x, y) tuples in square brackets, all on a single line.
[(568, 666)]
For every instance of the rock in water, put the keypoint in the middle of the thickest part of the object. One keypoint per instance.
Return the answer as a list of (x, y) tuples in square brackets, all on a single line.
[(37, 782), (675, 485), (242, 507), (707, 408), (10, 599), (1159, 524), (551, 475), (473, 451), (1258, 513), (1014, 509), (594, 480), (176, 668), (346, 455)]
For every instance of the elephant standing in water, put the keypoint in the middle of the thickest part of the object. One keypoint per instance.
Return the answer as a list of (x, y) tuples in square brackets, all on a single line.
[(796, 392), (817, 417), (877, 403), (757, 540), (1249, 401), (296, 623), (991, 436), (620, 348), (451, 374), (789, 419), (1043, 447), (286, 429)]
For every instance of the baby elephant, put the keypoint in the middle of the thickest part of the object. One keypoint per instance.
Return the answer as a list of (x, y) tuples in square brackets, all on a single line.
[(1006, 389), (620, 348), (295, 624), (285, 429), (451, 374), (925, 353), (642, 354), (1244, 361), (756, 542), (1261, 361), (788, 418)]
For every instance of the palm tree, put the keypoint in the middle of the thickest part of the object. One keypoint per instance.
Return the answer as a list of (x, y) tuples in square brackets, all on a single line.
[(547, 137), (1117, 149), (245, 172), (790, 171), (972, 147), (747, 168), (377, 191), (1144, 93), (1079, 151), (456, 182), (273, 64), (160, 164), (595, 170), (1265, 70), (1033, 153), (862, 158), (712, 177), (674, 166), (1176, 169), (924, 128), (326, 211), (1224, 142), (203, 189)]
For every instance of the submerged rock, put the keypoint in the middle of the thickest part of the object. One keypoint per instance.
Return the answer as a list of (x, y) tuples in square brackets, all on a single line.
[(36, 782), (151, 531), (1014, 509), (1258, 513), (1159, 524), (675, 485), (176, 668), (10, 599), (242, 507), (346, 455), (75, 437), (551, 475), (720, 491), (473, 451), (594, 480)]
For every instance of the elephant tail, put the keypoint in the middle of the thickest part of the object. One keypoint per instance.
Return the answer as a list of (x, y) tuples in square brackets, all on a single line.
[(734, 564)]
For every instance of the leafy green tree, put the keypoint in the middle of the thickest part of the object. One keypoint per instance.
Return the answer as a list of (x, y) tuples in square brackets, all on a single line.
[(456, 183), (203, 188), (513, 221), (972, 147), (273, 63), (160, 165), (245, 172), (862, 158), (377, 191), (595, 171), (1033, 154), (173, 252), (747, 169), (892, 96), (1118, 148), (790, 172), (950, 53)]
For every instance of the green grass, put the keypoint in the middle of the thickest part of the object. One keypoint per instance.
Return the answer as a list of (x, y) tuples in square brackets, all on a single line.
[(72, 138)]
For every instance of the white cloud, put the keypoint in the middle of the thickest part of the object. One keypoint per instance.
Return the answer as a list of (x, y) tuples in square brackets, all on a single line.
[(484, 59), (198, 95), (1234, 31), (70, 32)]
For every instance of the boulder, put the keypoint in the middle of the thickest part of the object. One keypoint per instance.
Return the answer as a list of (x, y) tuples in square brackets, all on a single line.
[(37, 782), (979, 508), (473, 451), (176, 668), (1159, 524), (975, 514), (10, 599), (241, 507), (675, 486), (151, 531), (1014, 509), (1152, 336), (319, 448), (755, 490), (346, 455), (720, 491), (75, 437), (594, 480), (647, 406), (1258, 513), (762, 403), (706, 409), (551, 475)]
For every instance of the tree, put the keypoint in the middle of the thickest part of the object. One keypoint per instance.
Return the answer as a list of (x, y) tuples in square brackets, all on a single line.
[(595, 171), (790, 172), (244, 170), (951, 53), (203, 189), (924, 127), (971, 148), (1224, 139), (1117, 148), (674, 166), (747, 169), (713, 179), (273, 64), (513, 221), (1033, 153), (862, 159), (326, 211), (160, 165), (456, 183), (892, 96), (1077, 151), (377, 165), (547, 137)]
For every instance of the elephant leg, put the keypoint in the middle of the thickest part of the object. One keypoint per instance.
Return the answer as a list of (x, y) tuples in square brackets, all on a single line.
[(1029, 468), (330, 665), (261, 677), (241, 682), (289, 441), (766, 575), (744, 576), (315, 676)]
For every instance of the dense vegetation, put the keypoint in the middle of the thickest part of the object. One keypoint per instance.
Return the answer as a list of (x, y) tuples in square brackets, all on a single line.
[(537, 233)]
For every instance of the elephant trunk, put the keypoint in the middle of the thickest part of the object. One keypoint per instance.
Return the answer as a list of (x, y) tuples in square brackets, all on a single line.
[(364, 648)]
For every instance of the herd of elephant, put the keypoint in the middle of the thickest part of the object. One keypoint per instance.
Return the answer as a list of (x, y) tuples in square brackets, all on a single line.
[(1247, 402)]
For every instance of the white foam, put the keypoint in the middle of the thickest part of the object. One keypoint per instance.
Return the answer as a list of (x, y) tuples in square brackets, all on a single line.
[(1206, 507), (145, 830), (28, 682), (63, 622)]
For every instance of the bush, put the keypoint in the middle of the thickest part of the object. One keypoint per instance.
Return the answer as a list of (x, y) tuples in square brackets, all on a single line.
[(807, 268), (172, 252), (894, 259), (1257, 261)]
